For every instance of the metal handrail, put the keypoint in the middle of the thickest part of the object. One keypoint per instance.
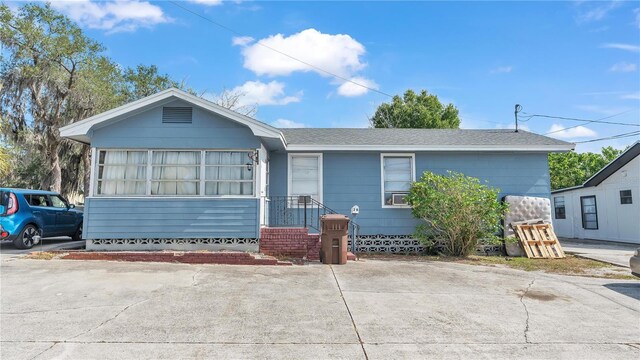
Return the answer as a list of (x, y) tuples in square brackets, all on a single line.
[(303, 211)]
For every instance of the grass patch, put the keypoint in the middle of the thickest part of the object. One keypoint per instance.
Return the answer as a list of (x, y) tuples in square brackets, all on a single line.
[(41, 255), (571, 265)]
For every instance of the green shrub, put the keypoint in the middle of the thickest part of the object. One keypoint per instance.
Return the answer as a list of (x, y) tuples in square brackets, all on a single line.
[(458, 212)]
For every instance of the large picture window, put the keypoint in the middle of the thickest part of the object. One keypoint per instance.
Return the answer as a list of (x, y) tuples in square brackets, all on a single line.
[(397, 175), (305, 176), (589, 212), (174, 173)]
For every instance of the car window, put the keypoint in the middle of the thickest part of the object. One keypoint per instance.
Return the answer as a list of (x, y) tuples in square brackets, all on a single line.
[(36, 200), (57, 202)]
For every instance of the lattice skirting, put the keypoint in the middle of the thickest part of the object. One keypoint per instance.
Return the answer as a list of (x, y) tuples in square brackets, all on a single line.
[(250, 244), (388, 244), (406, 244)]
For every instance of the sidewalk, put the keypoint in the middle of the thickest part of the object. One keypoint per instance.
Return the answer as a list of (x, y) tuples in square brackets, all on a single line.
[(610, 252)]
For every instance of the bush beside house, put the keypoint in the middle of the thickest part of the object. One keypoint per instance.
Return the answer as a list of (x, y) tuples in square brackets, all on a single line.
[(458, 211)]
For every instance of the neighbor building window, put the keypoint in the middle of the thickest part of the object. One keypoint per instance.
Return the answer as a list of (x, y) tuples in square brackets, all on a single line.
[(558, 203), (305, 177), (398, 172), (589, 212), (625, 197), (174, 173), (122, 172)]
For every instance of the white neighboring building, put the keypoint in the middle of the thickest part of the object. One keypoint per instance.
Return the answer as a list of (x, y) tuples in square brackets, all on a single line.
[(605, 207)]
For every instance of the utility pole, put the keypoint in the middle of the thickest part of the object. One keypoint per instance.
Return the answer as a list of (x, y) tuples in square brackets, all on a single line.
[(518, 107)]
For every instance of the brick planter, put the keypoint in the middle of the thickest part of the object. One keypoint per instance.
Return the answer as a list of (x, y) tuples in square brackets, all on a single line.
[(294, 243)]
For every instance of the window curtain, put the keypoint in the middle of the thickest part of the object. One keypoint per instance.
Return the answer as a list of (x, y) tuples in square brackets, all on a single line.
[(175, 173), (305, 176), (122, 173), (228, 173)]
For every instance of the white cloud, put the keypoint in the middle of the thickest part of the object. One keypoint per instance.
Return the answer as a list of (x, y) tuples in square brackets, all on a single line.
[(637, 12), (632, 96), (626, 47), (242, 40), (576, 132), (339, 54), (502, 69), (112, 16), (350, 89), (284, 123), (595, 11), (259, 93), (206, 2), (308, 51), (623, 66)]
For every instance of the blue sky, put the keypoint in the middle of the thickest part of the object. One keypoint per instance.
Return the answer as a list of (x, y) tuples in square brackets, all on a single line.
[(570, 59)]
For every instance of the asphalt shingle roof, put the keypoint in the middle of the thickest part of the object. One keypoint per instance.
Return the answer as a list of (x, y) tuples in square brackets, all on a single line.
[(447, 137)]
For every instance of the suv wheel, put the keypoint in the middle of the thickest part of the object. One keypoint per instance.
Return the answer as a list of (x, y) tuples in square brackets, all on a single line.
[(27, 237), (77, 236)]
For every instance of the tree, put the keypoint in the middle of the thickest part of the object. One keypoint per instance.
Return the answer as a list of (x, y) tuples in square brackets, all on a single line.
[(573, 169), (46, 54), (232, 100), (457, 211), (417, 111), (145, 80)]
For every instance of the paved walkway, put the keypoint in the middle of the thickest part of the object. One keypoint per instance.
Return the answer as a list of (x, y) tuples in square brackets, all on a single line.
[(609, 252), (371, 309)]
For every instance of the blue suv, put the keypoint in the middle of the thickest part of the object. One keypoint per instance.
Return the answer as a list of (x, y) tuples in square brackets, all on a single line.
[(26, 216)]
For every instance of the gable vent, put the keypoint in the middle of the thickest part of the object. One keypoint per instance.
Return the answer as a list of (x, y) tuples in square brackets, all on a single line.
[(177, 115)]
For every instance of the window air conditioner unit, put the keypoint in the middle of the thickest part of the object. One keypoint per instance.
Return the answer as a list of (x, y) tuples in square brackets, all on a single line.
[(304, 199), (398, 199)]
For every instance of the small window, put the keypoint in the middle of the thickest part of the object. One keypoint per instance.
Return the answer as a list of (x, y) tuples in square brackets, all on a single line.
[(397, 175), (305, 178), (36, 200), (175, 173), (558, 203), (625, 197), (229, 173), (589, 212), (121, 172), (177, 115)]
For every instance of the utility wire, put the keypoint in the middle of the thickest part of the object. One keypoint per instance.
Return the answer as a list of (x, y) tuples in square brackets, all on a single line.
[(588, 122), (278, 51), (619, 136), (577, 119)]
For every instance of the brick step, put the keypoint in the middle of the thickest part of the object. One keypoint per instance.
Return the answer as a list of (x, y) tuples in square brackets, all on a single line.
[(187, 257)]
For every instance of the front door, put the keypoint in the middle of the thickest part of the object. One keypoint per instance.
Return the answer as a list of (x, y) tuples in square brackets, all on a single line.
[(41, 209), (65, 219)]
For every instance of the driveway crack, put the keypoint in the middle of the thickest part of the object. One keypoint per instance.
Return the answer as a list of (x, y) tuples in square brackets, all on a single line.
[(350, 315), (108, 320), (526, 328), (194, 282), (45, 350)]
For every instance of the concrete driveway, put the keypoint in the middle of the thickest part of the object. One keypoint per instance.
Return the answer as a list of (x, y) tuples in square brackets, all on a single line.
[(610, 252), (47, 244), (368, 309)]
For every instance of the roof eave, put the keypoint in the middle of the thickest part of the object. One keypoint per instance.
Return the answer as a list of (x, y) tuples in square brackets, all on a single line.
[(518, 148)]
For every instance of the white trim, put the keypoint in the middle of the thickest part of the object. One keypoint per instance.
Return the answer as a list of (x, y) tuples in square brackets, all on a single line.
[(320, 173), (181, 197), (79, 130), (92, 173), (413, 177), (611, 162), (414, 148)]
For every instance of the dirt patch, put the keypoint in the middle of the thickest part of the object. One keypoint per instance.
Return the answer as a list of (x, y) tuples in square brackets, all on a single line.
[(42, 255), (539, 295)]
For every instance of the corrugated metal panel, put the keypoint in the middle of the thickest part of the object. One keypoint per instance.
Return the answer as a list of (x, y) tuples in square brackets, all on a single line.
[(135, 218), (177, 115)]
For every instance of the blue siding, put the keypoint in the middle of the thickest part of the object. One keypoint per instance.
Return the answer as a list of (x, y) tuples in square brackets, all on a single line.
[(353, 178), (146, 131), (110, 218)]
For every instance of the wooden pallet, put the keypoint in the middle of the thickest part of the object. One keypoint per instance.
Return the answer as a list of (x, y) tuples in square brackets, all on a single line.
[(539, 241)]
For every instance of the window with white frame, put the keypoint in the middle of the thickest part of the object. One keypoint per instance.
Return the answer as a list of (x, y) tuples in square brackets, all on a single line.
[(228, 173), (175, 173), (397, 175), (305, 176), (121, 172)]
